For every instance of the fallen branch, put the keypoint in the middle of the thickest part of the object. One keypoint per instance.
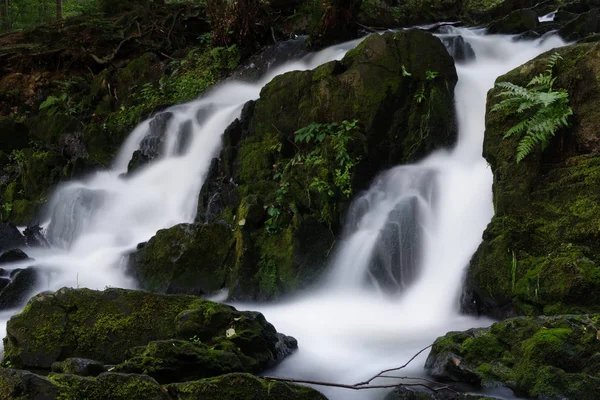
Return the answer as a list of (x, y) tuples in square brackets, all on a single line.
[(393, 369), (422, 382)]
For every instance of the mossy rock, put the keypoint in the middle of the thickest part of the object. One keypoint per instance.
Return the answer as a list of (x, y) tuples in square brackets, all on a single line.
[(185, 259), (103, 326), (24, 385), (540, 358), (170, 361), (241, 386), (540, 252), (399, 87)]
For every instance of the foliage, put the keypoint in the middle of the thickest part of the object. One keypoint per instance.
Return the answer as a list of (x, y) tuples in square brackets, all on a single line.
[(25, 14), (322, 166), (544, 110), (236, 22)]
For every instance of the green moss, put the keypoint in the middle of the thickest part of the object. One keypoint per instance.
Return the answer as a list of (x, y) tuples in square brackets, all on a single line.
[(533, 356), (241, 386), (546, 209), (186, 259)]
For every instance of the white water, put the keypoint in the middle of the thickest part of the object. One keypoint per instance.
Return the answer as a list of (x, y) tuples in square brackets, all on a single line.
[(347, 329)]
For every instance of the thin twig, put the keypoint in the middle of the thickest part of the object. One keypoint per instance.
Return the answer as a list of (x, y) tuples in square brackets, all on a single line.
[(367, 384), (353, 387), (392, 369)]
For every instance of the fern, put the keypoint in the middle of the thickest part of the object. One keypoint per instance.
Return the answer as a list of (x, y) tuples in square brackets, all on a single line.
[(545, 110)]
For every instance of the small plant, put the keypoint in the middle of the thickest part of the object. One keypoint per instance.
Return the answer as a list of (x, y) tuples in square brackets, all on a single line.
[(544, 110), (326, 169), (195, 339), (6, 209)]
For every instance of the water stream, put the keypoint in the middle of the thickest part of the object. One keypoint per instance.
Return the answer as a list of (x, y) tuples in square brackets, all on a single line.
[(413, 231)]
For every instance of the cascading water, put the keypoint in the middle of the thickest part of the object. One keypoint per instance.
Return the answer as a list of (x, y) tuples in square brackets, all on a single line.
[(411, 234)]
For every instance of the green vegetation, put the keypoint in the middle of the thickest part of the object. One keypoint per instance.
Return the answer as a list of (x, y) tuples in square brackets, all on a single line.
[(543, 109), (325, 169)]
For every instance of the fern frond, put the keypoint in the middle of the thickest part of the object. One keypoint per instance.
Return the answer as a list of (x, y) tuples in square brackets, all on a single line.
[(545, 110)]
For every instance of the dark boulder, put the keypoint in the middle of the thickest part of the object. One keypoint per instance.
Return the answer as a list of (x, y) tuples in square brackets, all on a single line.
[(13, 256), (458, 48), (518, 21), (185, 259), (21, 287), (584, 25), (10, 237), (35, 237), (151, 145)]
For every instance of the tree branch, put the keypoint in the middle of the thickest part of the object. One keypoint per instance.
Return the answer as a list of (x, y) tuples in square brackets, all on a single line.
[(367, 384), (393, 369)]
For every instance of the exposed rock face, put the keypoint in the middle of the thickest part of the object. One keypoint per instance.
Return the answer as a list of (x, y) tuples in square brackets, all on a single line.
[(540, 358), (540, 252), (111, 326), (399, 87)]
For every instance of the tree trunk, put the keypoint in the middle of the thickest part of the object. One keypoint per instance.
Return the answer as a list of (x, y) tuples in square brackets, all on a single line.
[(3, 15), (59, 9)]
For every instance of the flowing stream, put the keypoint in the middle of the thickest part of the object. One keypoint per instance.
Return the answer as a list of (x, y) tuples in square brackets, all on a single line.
[(413, 231)]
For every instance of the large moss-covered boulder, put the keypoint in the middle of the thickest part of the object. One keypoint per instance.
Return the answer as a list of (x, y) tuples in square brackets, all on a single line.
[(540, 358), (387, 102), (187, 258), (108, 326), (24, 385), (540, 252)]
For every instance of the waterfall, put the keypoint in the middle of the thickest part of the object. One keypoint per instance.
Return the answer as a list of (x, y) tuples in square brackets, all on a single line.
[(411, 234), (395, 282)]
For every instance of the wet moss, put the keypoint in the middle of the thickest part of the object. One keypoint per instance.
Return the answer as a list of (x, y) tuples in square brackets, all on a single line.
[(104, 325), (539, 253), (241, 386), (543, 357)]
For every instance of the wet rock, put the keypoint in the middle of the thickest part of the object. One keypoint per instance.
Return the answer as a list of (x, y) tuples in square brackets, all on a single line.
[(111, 326), (584, 25), (540, 358), (185, 259), (458, 48), (78, 366), (271, 57), (518, 21), (13, 256), (151, 145), (35, 237), (10, 237), (19, 290)]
